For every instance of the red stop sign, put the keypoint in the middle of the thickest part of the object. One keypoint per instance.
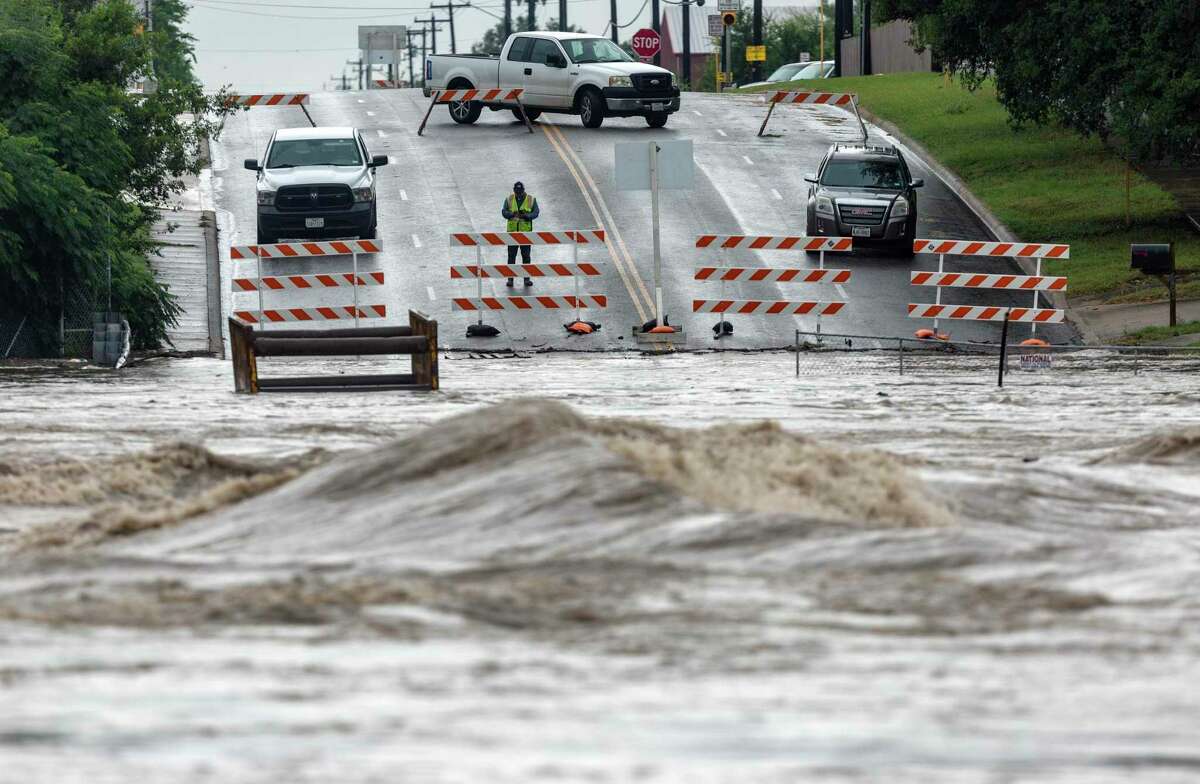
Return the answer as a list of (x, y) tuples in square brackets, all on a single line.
[(646, 42)]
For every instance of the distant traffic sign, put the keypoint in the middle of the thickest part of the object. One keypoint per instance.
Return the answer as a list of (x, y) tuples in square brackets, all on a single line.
[(646, 43), (729, 5), (756, 54), (716, 28)]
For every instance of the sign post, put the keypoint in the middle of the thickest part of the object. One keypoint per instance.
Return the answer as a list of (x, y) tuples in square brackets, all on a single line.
[(641, 166), (646, 43)]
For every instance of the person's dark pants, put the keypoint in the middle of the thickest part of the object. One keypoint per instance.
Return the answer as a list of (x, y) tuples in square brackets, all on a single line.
[(525, 253)]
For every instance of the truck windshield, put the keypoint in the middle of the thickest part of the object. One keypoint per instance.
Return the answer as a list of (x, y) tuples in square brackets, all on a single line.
[(595, 50), (314, 152), (863, 174)]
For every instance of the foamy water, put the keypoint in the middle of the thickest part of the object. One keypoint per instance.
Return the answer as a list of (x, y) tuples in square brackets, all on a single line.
[(633, 578)]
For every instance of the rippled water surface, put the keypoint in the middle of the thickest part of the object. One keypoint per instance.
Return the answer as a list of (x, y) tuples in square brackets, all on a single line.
[(693, 568)]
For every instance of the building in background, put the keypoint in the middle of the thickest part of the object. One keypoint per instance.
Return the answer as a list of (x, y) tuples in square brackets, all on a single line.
[(702, 48)]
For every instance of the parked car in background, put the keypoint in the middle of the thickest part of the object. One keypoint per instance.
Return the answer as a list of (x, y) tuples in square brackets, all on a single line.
[(814, 69)]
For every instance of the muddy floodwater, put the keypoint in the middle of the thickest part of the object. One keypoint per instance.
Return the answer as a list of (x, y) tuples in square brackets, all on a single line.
[(603, 568)]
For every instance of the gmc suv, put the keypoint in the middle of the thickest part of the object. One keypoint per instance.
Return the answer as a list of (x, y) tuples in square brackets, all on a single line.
[(316, 183), (864, 192)]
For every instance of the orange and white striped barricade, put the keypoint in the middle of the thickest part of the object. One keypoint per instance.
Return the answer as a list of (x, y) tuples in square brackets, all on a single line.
[(499, 96), (260, 283), (811, 98), (385, 84), (575, 269), (725, 274), (941, 279), (273, 99)]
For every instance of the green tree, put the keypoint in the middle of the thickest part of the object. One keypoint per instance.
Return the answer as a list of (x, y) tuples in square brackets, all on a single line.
[(1129, 70), (83, 162)]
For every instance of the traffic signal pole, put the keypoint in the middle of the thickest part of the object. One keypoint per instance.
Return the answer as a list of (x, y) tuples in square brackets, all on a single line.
[(655, 26), (612, 13), (687, 43), (756, 34)]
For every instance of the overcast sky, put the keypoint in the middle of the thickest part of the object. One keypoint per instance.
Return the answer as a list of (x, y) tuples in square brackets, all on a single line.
[(292, 45)]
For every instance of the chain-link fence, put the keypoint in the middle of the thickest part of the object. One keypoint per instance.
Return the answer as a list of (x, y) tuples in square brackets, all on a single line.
[(67, 333), (836, 354)]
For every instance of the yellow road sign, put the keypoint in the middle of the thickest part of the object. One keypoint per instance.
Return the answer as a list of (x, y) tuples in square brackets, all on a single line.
[(756, 54)]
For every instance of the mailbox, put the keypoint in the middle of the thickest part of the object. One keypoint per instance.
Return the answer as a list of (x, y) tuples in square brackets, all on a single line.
[(1153, 259)]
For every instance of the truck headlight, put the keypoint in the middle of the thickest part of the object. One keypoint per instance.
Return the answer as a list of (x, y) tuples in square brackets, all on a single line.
[(364, 194), (824, 205), (900, 207), (620, 81), (266, 197)]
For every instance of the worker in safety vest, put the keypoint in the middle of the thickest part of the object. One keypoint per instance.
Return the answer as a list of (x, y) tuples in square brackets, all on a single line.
[(520, 210)]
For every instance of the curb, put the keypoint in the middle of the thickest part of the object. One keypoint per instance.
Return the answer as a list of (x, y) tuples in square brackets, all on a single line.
[(994, 225)]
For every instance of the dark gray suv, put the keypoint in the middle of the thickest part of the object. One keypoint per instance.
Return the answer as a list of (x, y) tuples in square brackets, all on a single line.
[(864, 192)]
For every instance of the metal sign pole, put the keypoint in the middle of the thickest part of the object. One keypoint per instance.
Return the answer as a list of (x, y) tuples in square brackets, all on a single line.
[(355, 255), (479, 280), (258, 264), (1033, 324), (575, 275), (937, 296), (658, 314)]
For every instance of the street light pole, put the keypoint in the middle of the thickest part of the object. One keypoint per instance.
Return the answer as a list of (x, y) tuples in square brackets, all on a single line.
[(562, 16), (686, 8), (612, 15)]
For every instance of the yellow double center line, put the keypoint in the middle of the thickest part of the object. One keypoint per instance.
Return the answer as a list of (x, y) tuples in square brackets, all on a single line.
[(617, 250)]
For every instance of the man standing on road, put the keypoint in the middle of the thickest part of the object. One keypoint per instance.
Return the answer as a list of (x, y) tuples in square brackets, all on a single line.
[(520, 210)]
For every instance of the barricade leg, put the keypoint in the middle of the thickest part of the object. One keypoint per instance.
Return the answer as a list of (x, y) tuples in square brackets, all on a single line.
[(241, 349), (524, 116), (432, 103), (766, 119)]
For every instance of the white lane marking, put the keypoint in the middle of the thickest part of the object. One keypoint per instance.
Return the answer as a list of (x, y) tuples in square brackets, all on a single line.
[(360, 100), (403, 195), (432, 296), (776, 194), (381, 133), (722, 132), (841, 291), (746, 158), (370, 114), (416, 241), (698, 114)]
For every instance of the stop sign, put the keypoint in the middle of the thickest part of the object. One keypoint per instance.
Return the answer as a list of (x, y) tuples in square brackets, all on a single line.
[(646, 43)]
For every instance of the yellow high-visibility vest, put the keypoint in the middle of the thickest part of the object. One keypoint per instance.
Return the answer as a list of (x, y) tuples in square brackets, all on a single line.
[(525, 206)]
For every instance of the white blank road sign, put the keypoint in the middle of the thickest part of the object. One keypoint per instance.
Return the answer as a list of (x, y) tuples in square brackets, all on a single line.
[(676, 167), (381, 40)]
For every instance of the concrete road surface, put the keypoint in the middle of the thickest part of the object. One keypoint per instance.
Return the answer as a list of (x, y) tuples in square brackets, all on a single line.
[(454, 178)]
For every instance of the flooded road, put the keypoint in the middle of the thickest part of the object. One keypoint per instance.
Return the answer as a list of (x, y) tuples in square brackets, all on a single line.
[(694, 568)]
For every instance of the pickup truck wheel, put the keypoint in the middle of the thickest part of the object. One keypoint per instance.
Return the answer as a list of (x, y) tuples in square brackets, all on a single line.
[(465, 112), (591, 109), (657, 120), (532, 114)]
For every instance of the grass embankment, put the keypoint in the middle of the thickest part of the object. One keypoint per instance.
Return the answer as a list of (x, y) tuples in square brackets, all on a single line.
[(1046, 184), (1152, 335)]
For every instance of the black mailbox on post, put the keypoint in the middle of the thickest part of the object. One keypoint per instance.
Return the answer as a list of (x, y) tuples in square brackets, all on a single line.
[(1153, 259)]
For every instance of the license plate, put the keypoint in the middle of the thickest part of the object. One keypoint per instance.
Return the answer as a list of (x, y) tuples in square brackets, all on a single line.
[(314, 223), (860, 231), (658, 107)]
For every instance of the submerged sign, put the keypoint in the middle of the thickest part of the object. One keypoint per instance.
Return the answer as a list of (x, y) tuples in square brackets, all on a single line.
[(1035, 362)]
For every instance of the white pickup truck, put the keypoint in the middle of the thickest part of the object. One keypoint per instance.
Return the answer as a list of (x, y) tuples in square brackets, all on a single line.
[(569, 73)]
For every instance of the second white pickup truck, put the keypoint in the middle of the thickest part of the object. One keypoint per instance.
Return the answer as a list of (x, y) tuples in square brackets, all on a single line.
[(569, 73)]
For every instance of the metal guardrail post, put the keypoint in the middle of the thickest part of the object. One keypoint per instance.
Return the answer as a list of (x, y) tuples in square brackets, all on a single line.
[(901, 341), (797, 351), (1003, 347)]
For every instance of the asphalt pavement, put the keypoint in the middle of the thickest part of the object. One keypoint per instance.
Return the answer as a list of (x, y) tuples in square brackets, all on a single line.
[(454, 179)]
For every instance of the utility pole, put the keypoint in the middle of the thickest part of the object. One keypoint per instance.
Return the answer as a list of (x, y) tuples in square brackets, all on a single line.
[(507, 19), (756, 34), (655, 25), (866, 38), (612, 14), (562, 16), (359, 65), (686, 8), (433, 23), (450, 6), (412, 75), (532, 14)]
